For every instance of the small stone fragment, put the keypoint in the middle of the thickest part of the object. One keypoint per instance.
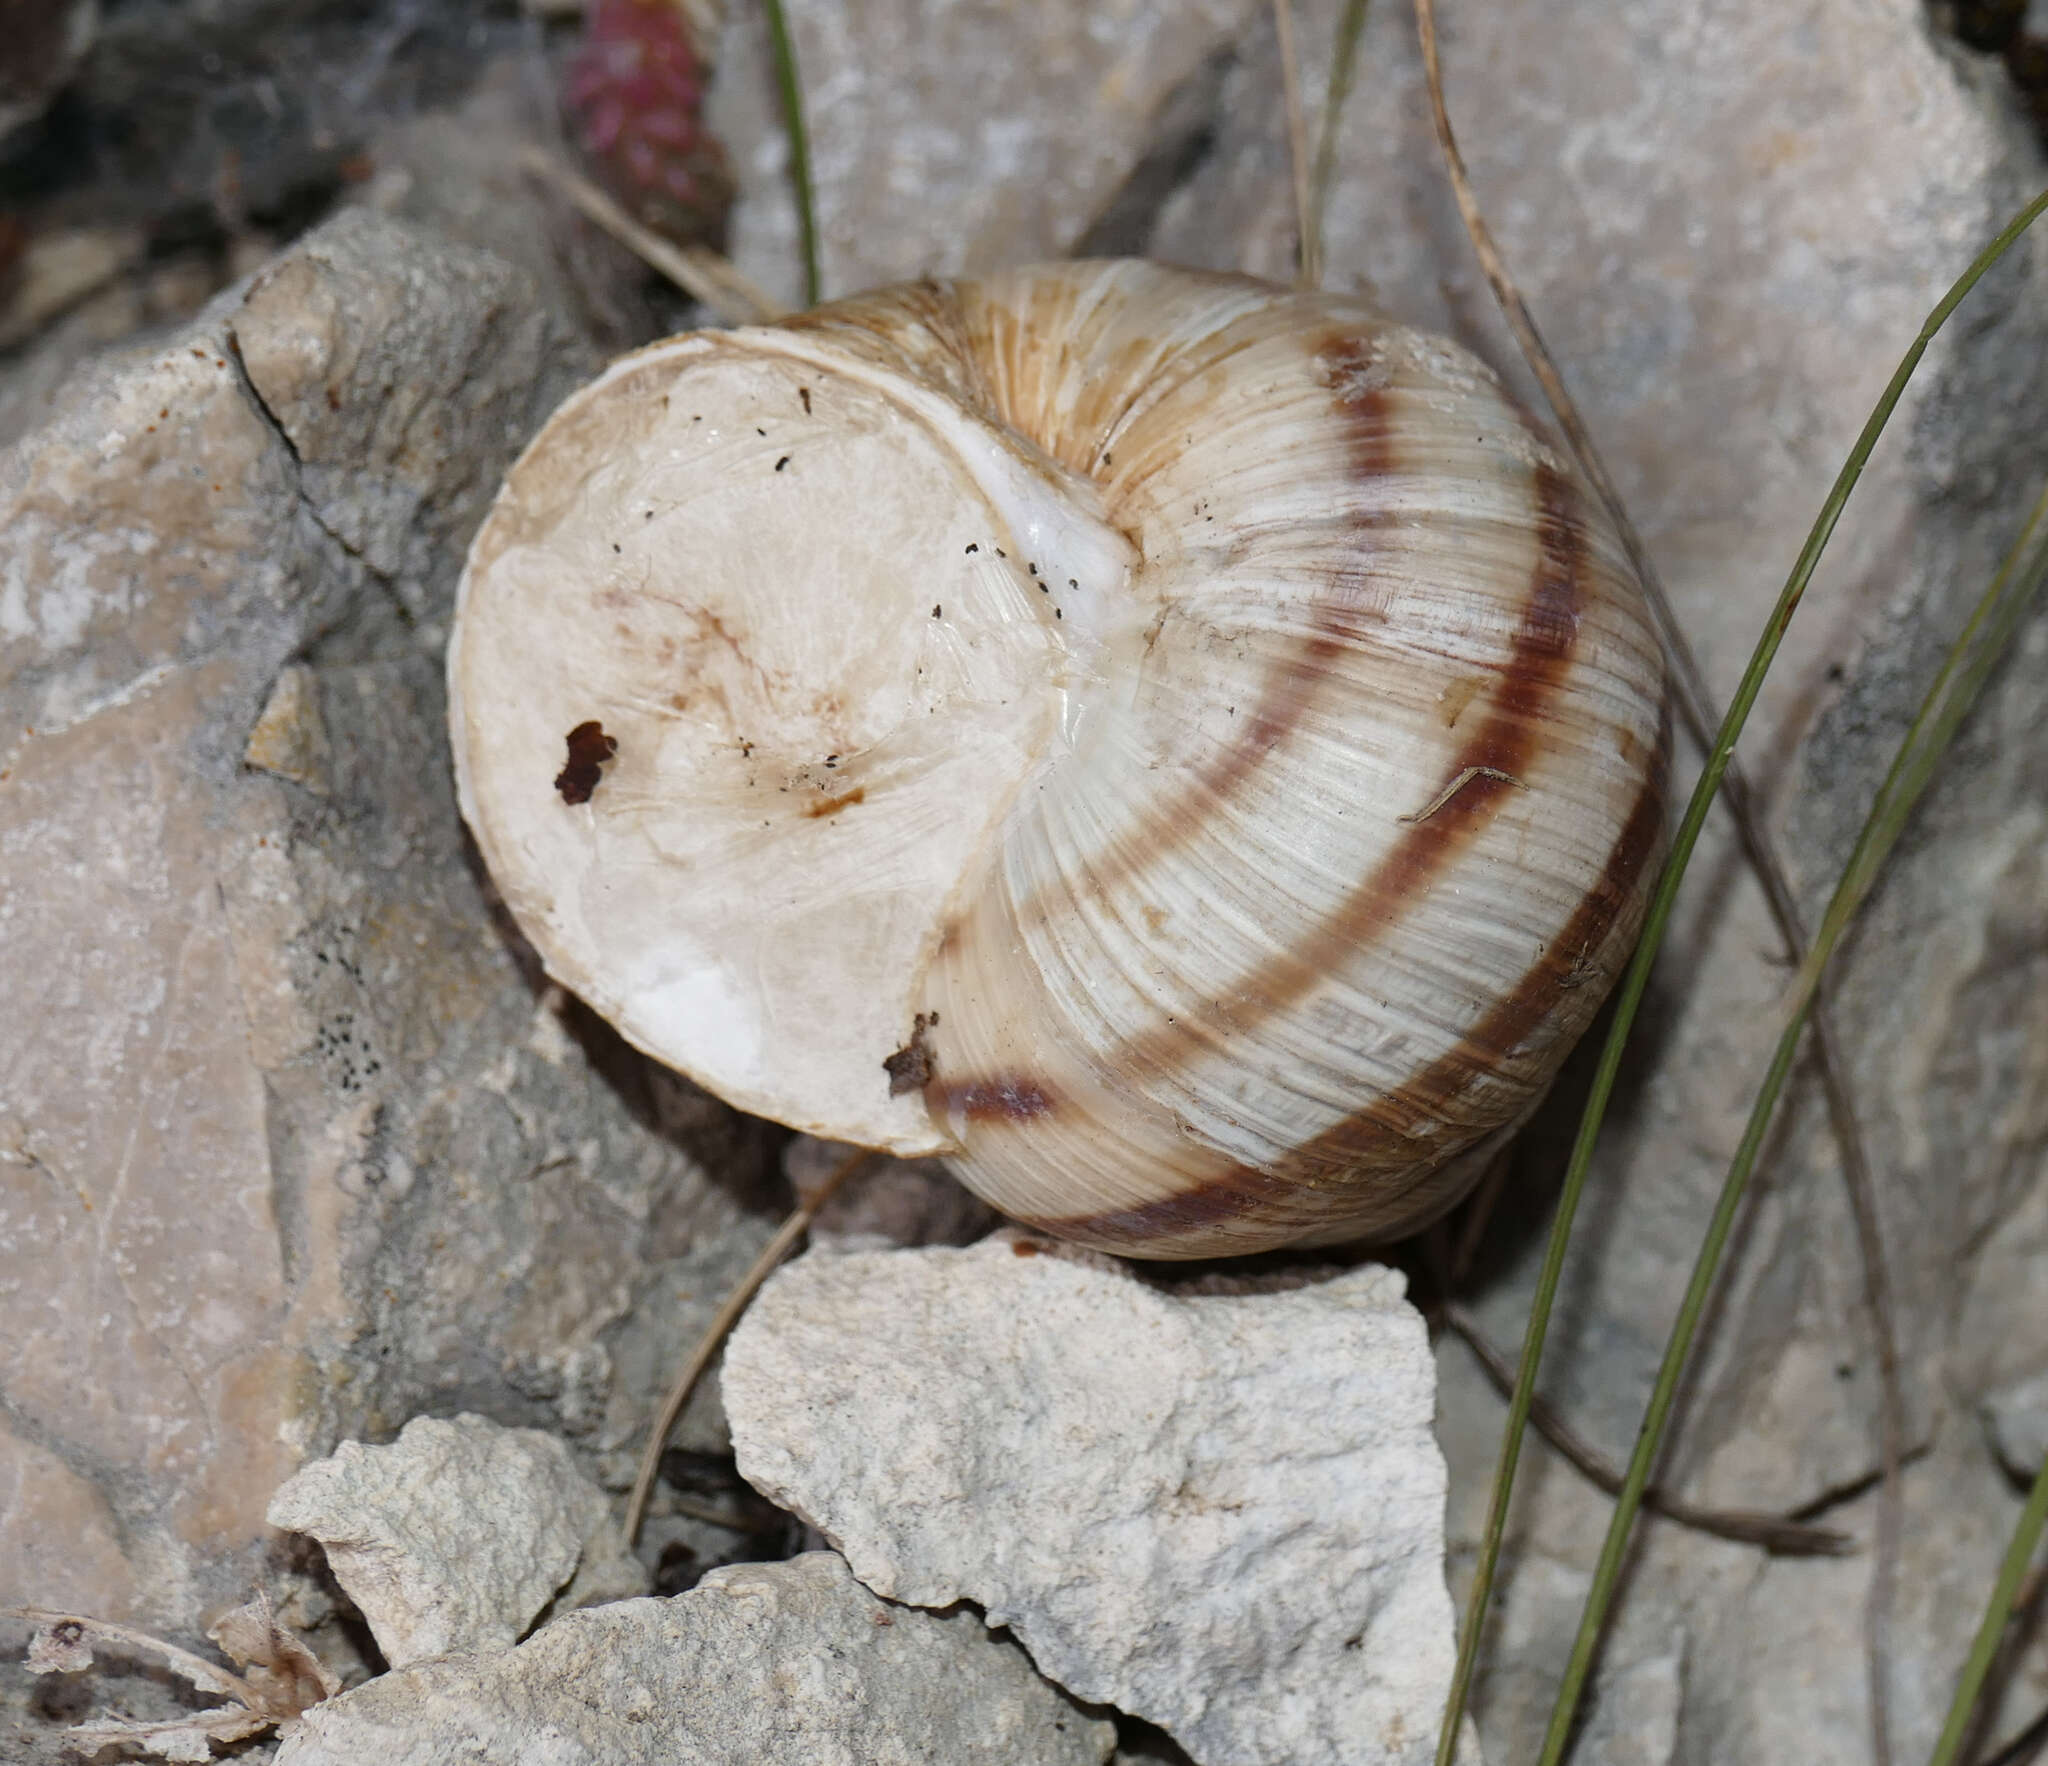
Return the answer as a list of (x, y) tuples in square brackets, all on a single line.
[(791, 1664), (1221, 1512), (289, 739), (459, 1534)]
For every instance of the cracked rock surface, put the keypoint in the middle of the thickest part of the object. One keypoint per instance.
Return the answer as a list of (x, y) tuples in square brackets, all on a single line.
[(1219, 1511), (295, 1145), (759, 1665), (460, 1534)]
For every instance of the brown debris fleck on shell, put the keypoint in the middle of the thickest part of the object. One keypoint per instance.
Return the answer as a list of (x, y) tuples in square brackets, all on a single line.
[(589, 749)]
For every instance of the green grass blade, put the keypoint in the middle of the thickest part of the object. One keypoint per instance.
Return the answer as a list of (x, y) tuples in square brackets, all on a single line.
[(790, 85), (2026, 1536), (1343, 73), (1628, 1000), (1984, 639)]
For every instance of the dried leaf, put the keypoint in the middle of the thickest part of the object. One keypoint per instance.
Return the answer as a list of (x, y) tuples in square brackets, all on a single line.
[(285, 1675), (72, 1635), (185, 1738), (284, 1678)]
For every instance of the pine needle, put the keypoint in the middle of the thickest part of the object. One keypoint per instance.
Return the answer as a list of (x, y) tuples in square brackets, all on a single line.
[(720, 1327)]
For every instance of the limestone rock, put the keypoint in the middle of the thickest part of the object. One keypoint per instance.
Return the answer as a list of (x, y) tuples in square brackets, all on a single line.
[(968, 137), (293, 1146), (459, 1535), (289, 738), (759, 1665), (1220, 1512)]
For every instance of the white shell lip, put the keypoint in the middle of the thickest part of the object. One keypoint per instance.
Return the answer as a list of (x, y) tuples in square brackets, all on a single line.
[(925, 710), (826, 683)]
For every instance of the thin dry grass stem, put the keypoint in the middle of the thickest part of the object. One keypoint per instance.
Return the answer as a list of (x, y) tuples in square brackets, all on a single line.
[(728, 1315), (1781, 1535), (705, 22), (1741, 799), (1309, 270), (701, 273)]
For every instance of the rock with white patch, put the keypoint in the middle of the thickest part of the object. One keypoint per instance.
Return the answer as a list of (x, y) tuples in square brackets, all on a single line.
[(293, 1145), (1221, 1511)]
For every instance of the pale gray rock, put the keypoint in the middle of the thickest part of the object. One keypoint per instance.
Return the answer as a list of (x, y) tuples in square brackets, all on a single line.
[(2017, 1417), (460, 1534), (460, 172), (759, 1665), (1221, 1512), (1634, 1719), (295, 1144), (963, 137)]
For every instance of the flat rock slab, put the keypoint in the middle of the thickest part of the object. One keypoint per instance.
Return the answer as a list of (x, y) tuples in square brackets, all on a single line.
[(458, 1535), (1220, 1511), (292, 1145), (758, 1665)]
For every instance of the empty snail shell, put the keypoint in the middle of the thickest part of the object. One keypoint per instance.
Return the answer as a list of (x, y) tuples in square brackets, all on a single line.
[(1184, 748)]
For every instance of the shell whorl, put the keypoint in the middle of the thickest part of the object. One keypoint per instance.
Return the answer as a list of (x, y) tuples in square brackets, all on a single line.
[(1212, 710)]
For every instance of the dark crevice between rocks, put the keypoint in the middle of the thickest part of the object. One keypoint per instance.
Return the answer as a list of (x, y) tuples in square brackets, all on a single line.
[(1999, 27), (710, 1483), (1183, 135)]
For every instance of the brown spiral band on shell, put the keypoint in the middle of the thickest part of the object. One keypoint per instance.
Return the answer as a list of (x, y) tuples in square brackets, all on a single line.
[(1177, 983), (1290, 1192), (1378, 1137)]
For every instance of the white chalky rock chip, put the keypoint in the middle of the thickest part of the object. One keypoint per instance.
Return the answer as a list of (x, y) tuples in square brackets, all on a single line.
[(1220, 1512), (459, 1534), (791, 1664)]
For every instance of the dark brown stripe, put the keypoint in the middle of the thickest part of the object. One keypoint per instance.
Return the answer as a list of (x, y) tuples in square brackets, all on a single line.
[(1291, 1190), (1504, 742), (1379, 1134), (1293, 685)]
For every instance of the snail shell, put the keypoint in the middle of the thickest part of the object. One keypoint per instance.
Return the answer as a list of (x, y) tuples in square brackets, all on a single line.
[(1186, 749)]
